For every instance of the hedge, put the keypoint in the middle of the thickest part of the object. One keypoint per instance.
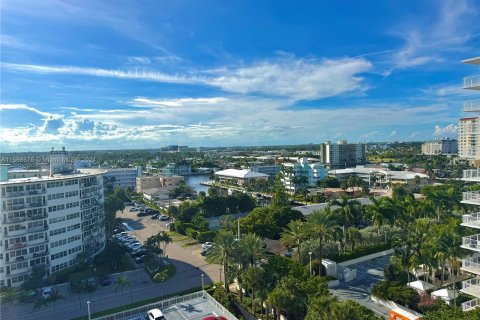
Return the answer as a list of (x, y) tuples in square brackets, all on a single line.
[(360, 252), (396, 292), (192, 233)]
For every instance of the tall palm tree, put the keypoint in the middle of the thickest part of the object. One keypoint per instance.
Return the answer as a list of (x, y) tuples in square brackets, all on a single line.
[(252, 248), (223, 252), (347, 211), (378, 213), (121, 282), (323, 226), (293, 235), (252, 278)]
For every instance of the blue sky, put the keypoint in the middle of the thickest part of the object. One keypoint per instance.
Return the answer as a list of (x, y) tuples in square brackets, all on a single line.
[(144, 74)]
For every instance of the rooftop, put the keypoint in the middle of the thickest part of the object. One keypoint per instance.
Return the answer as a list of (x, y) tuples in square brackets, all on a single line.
[(240, 174), (46, 177), (395, 175)]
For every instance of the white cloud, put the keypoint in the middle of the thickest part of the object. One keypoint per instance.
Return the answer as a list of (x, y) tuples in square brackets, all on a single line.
[(368, 135), (12, 106), (448, 131), (393, 133), (182, 102), (298, 79)]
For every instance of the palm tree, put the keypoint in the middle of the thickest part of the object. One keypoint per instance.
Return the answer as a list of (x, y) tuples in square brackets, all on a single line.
[(347, 211), (252, 248), (293, 235), (354, 236), (323, 226), (223, 252), (165, 239), (442, 201), (252, 278), (378, 213), (122, 282)]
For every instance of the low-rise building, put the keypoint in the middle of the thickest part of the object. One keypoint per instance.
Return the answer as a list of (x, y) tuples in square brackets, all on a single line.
[(443, 146), (123, 178), (270, 170), (158, 181), (238, 177), (302, 174)]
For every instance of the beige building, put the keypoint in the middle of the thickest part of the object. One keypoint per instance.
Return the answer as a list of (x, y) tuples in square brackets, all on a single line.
[(443, 146), (158, 181), (469, 134)]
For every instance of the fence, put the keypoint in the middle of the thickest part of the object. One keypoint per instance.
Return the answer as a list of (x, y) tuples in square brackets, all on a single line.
[(167, 303)]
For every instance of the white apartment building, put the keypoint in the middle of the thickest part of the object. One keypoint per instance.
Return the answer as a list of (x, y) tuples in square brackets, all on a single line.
[(49, 218), (469, 134), (443, 146), (123, 178), (311, 173), (472, 243)]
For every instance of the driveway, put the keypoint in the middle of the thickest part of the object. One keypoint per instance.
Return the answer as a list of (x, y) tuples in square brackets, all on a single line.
[(368, 274)]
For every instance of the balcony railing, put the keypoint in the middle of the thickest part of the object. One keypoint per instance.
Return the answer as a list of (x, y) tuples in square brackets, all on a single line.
[(471, 105), (471, 174), (14, 220), (471, 220), (16, 246), (470, 305), (37, 229), (15, 233), (471, 197), (471, 82), (14, 207), (37, 217), (471, 265), (471, 242), (88, 184), (37, 204), (38, 241), (471, 287), (15, 194), (40, 254)]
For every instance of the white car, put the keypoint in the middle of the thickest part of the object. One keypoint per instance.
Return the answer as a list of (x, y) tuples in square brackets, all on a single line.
[(135, 246), (47, 292), (155, 314), (207, 244)]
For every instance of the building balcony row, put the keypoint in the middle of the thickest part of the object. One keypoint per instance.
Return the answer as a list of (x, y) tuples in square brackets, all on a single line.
[(26, 257), (471, 106), (16, 233), (471, 287), (13, 207), (471, 175), (14, 194), (471, 304), (471, 220), (471, 265), (21, 245), (472, 197), (471, 83), (471, 242)]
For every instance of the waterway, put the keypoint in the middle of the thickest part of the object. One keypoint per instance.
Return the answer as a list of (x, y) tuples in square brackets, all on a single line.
[(195, 182)]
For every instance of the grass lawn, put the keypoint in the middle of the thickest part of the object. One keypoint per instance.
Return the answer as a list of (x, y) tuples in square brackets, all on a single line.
[(177, 236), (99, 269), (190, 243)]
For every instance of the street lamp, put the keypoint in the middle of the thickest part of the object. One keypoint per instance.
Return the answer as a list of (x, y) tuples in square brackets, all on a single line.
[(88, 309), (310, 254), (203, 284)]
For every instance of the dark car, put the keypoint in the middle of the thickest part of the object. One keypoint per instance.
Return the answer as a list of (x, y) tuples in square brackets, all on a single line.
[(142, 214), (118, 230), (104, 280), (138, 253), (155, 216)]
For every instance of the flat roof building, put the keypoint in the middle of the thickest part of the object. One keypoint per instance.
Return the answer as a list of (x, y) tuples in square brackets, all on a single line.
[(49, 218)]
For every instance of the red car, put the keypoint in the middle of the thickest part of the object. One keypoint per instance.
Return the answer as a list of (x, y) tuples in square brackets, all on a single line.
[(215, 318)]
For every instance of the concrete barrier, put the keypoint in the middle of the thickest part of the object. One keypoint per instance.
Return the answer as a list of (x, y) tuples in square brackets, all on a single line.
[(366, 258)]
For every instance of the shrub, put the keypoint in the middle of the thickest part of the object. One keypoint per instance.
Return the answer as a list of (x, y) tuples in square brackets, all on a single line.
[(160, 276), (203, 237), (192, 233), (396, 292)]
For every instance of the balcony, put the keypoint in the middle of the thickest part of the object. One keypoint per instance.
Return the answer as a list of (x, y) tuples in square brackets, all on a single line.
[(40, 254), (471, 175), (471, 287), (15, 194), (470, 305), (37, 229), (14, 220), (471, 220), (14, 260), (88, 184), (38, 241), (471, 106), (471, 265), (471, 197), (471, 83), (14, 207), (15, 233), (37, 204), (16, 246), (471, 242), (37, 217)]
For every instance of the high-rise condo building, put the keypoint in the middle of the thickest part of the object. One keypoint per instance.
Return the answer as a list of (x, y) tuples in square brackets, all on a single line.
[(469, 134), (342, 154), (50, 218), (443, 146)]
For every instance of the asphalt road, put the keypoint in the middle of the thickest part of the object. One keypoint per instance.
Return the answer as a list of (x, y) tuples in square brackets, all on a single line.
[(187, 260)]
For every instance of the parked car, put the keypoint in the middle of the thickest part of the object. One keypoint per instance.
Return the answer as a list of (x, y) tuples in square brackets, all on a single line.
[(142, 214), (129, 242), (163, 217), (155, 314), (205, 251), (133, 209), (169, 224), (104, 280), (155, 216), (118, 230), (138, 253), (206, 244), (134, 246)]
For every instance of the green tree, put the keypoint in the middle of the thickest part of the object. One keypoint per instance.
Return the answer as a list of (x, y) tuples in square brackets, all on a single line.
[(223, 252), (252, 248), (252, 279), (293, 235)]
